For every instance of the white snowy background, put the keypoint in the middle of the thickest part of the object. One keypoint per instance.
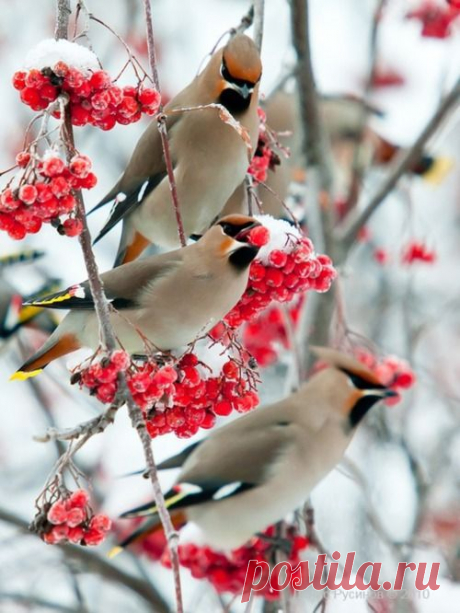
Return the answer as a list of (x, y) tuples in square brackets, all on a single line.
[(427, 421)]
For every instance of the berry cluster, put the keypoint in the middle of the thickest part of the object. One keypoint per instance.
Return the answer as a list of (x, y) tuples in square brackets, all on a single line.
[(93, 97), (285, 267), (71, 519), (416, 251), (226, 573), (436, 20), (199, 397), (392, 371), (265, 157), (44, 194), (179, 397), (266, 334)]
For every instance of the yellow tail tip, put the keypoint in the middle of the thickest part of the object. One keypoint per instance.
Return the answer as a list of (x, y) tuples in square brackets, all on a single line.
[(114, 552), (438, 171), (21, 375)]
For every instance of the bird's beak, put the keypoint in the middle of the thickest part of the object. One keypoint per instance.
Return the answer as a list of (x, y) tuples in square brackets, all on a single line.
[(242, 234), (382, 393), (244, 90)]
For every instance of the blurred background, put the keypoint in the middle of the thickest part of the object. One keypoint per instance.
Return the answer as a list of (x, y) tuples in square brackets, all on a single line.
[(398, 496)]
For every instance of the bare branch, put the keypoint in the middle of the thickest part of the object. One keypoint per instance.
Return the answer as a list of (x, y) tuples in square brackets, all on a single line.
[(259, 9), (351, 226), (245, 23)]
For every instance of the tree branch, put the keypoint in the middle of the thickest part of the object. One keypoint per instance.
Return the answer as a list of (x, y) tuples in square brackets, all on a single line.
[(103, 313), (259, 9), (99, 565), (352, 225)]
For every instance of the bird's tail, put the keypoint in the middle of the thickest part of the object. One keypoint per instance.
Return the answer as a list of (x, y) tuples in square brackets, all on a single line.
[(21, 257), (54, 348), (148, 528), (433, 169)]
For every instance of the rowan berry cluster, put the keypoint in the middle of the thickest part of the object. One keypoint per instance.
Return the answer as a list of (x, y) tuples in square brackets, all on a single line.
[(265, 157), (43, 192), (436, 19), (71, 519), (93, 97), (285, 267), (391, 371), (226, 572), (181, 396), (418, 252)]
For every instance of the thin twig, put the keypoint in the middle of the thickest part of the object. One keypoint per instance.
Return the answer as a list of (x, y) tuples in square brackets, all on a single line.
[(352, 225), (358, 168), (162, 123), (259, 9), (93, 563)]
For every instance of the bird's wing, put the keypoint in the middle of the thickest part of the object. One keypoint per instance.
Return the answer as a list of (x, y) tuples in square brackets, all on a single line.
[(225, 465), (146, 169), (122, 286), (129, 201)]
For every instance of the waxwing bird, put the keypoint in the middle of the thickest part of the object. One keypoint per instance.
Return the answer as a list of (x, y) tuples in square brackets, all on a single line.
[(13, 315), (209, 157), (252, 472), (169, 299), (282, 116)]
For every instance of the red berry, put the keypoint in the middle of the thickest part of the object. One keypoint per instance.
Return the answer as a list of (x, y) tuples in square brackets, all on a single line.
[(75, 517), (79, 115), (59, 186), (259, 236), (28, 194), (100, 80), (67, 204), (101, 522), (16, 231), (115, 95), (58, 513), (48, 92), (222, 408), (60, 69), (72, 227), (89, 181), (19, 79), (278, 258), (73, 79), (75, 535), (128, 107), (35, 79), (31, 97), (93, 537), (208, 421), (53, 166), (79, 499), (149, 97), (80, 165), (120, 359), (23, 158)]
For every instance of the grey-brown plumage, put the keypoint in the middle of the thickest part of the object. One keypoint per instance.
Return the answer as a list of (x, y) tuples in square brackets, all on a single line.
[(169, 299), (254, 471), (209, 157)]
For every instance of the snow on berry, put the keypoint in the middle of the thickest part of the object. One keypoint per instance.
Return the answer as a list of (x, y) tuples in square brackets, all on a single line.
[(227, 572), (286, 266), (418, 252), (436, 19), (50, 51), (56, 67), (42, 192), (182, 394), (68, 517)]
